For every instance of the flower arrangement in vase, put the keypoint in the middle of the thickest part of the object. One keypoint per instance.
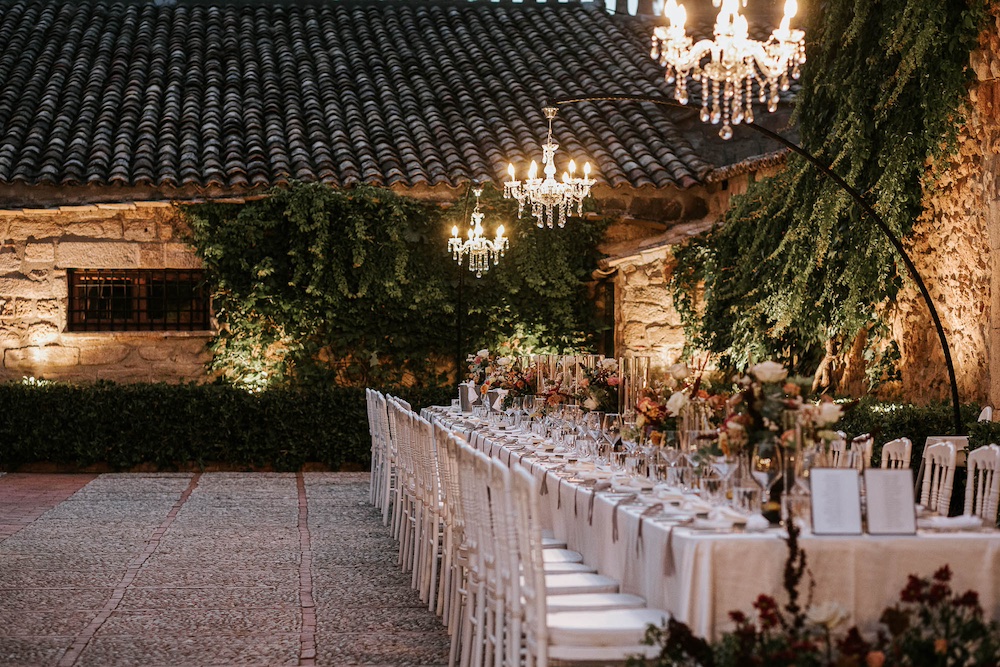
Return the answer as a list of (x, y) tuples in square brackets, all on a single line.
[(598, 386)]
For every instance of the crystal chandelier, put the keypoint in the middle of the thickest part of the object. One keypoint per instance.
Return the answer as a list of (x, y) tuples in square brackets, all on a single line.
[(549, 198), (479, 248), (732, 62)]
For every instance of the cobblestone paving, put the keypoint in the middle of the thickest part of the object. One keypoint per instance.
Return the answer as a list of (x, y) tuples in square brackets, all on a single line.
[(209, 569)]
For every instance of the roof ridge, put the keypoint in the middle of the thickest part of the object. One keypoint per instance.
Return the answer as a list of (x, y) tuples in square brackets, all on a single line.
[(504, 4)]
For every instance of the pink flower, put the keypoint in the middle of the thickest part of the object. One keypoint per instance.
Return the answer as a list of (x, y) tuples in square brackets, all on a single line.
[(613, 381)]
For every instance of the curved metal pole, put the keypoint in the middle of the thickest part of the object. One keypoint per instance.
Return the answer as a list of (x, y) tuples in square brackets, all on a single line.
[(855, 195)]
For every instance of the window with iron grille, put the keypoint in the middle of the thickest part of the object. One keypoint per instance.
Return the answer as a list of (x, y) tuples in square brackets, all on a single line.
[(137, 300)]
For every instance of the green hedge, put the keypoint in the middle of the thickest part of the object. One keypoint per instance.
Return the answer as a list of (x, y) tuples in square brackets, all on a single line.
[(180, 426), (887, 421)]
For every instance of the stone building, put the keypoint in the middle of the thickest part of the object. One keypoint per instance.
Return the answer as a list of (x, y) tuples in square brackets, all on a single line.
[(112, 113)]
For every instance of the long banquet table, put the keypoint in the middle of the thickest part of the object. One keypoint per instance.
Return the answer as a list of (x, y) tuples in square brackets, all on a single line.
[(699, 576)]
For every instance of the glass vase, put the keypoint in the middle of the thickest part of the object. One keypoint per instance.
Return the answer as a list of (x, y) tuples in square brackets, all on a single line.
[(745, 490)]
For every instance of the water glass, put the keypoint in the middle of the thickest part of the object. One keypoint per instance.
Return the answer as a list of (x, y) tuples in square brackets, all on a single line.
[(748, 499), (713, 485)]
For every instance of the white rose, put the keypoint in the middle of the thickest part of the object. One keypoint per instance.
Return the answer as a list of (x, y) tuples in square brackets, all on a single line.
[(679, 371), (676, 403), (503, 361), (609, 364), (828, 615), (590, 403), (769, 371), (828, 413), (483, 353)]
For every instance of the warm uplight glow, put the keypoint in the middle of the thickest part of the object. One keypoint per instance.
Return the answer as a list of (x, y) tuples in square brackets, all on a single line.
[(550, 200), (479, 248), (729, 65)]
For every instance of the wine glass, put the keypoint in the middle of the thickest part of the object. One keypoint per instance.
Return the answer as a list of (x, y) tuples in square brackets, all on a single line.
[(767, 467), (611, 430)]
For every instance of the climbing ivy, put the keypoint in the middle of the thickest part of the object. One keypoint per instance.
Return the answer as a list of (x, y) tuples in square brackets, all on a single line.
[(795, 261), (314, 285)]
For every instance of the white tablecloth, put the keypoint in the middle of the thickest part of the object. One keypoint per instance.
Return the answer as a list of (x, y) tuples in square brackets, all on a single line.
[(699, 577)]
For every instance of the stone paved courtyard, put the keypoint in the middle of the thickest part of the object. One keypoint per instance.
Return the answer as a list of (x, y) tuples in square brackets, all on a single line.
[(204, 569)]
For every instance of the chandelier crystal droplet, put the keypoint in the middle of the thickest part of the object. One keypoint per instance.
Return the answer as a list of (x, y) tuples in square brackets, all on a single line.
[(728, 66), (480, 249), (550, 200)]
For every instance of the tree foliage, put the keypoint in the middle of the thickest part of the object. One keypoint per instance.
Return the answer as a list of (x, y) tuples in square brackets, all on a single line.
[(795, 262), (316, 285)]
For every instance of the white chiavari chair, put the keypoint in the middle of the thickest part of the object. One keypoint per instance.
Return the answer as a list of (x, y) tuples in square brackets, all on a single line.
[(570, 636), (939, 475), (447, 454), (429, 512), (896, 453), (982, 487), (404, 509), (838, 454), (861, 452)]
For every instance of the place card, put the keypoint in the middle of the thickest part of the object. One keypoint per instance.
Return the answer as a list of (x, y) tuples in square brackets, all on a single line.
[(836, 501), (891, 509)]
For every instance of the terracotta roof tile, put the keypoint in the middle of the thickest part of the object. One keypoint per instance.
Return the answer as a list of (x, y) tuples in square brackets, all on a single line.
[(242, 94)]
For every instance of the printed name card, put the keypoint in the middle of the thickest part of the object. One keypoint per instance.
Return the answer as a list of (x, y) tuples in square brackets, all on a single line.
[(890, 504), (836, 501)]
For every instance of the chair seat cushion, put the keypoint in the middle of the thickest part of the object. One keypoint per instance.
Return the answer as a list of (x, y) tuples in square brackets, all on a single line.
[(553, 543), (579, 582), (561, 556), (561, 568), (594, 602), (616, 627)]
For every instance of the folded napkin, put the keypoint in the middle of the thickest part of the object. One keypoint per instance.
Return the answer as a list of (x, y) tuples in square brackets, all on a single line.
[(756, 523), (695, 505), (724, 513), (594, 474), (710, 524), (623, 484), (668, 493), (964, 522)]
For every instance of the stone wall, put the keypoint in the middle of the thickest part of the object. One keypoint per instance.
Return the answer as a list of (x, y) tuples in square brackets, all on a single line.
[(646, 322), (955, 247), (36, 248)]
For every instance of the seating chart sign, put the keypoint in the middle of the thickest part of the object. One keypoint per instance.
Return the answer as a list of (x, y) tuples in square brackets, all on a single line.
[(836, 501), (890, 504)]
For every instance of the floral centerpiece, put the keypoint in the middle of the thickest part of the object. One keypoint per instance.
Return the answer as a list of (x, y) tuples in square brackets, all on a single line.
[(598, 388), (657, 412), (479, 367), (756, 412)]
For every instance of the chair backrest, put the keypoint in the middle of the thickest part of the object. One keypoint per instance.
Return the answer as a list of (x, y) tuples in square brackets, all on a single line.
[(861, 451), (939, 475), (401, 427), (524, 498), (447, 470), (474, 510), (506, 569), (986, 415), (838, 454), (982, 487), (896, 453), (425, 462)]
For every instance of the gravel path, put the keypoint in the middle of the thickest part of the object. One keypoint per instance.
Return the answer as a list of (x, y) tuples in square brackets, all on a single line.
[(205, 569)]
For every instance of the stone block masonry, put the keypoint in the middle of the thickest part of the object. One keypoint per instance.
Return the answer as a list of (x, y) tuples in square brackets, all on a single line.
[(37, 246)]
